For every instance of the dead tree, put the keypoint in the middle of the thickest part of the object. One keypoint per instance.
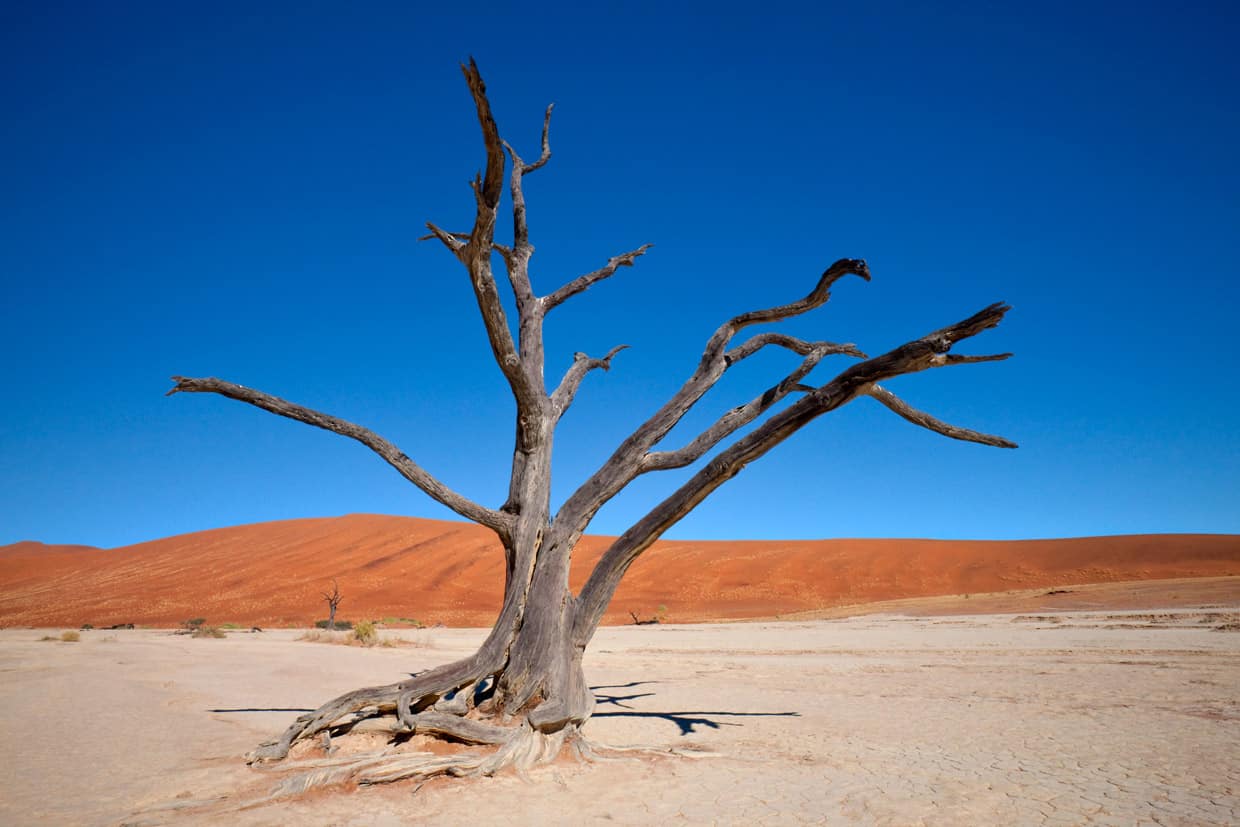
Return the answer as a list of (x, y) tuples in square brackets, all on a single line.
[(523, 692), (333, 601)]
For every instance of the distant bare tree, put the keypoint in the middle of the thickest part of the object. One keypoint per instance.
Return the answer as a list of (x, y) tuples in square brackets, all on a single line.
[(524, 691), (333, 600)]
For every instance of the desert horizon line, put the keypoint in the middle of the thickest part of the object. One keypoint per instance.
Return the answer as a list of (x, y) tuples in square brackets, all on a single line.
[(671, 539)]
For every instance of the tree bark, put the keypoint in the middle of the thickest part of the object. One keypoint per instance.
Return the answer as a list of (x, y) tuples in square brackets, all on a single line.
[(524, 691)]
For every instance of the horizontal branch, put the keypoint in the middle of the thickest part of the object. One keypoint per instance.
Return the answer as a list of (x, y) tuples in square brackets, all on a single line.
[(929, 422), (407, 468), (799, 346), (582, 283)]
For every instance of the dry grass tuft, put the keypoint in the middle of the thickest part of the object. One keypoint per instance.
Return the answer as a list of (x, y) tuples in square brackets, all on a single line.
[(364, 632), (352, 639), (209, 631)]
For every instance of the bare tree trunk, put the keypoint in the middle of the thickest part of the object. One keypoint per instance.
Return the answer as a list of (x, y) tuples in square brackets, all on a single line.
[(524, 690), (333, 600)]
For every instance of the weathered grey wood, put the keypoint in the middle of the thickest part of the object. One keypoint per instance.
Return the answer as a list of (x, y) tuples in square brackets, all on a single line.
[(527, 674), (462, 729)]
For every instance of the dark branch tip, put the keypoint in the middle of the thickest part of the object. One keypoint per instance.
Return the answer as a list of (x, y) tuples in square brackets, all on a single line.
[(847, 266)]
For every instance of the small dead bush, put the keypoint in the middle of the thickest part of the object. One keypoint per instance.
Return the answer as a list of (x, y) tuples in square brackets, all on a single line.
[(209, 631), (70, 637)]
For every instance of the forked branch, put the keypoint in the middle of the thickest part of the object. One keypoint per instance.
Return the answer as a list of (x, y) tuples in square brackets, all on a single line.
[(582, 364), (520, 228), (626, 462), (921, 354), (523, 375), (407, 468), (739, 417)]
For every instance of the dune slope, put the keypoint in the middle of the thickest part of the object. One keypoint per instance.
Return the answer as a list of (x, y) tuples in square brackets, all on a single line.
[(272, 574)]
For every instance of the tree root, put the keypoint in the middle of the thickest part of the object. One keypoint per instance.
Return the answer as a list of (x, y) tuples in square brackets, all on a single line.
[(521, 748), (404, 699)]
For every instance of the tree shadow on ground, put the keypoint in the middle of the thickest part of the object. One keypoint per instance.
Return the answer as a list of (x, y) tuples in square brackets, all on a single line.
[(686, 721), (264, 709), (618, 700)]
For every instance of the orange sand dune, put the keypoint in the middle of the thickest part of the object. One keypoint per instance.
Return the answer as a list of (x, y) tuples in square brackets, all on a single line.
[(272, 574)]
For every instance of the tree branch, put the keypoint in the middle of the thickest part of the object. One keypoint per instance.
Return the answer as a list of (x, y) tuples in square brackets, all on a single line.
[(927, 421), (520, 229), (799, 346), (739, 417), (918, 355), (582, 364), (407, 468), (517, 260), (626, 462), (582, 283), (523, 377), (455, 242)]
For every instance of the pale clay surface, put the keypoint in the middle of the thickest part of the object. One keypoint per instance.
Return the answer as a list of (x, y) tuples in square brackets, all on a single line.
[(1085, 718)]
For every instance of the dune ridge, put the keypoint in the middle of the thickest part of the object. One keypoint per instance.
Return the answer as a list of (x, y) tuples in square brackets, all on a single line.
[(272, 574)]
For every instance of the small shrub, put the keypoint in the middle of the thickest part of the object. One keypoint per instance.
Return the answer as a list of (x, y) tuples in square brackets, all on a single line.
[(364, 632), (193, 624), (209, 631), (70, 637), (341, 625), (86, 626)]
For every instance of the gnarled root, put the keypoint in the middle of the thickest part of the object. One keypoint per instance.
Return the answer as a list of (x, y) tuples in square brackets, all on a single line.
[(521, 748), (401, 699)]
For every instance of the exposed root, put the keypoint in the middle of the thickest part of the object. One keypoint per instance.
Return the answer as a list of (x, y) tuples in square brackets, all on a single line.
[(461, 729), (405, 700), (521, 749)]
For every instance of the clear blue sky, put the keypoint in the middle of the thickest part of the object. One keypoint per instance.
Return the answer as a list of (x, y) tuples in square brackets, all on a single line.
[(236, 189)]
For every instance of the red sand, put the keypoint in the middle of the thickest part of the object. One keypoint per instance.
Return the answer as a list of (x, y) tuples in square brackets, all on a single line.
[(272, 574)]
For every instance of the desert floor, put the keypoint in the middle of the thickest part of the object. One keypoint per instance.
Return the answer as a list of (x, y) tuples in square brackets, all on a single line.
[(1102, 717)]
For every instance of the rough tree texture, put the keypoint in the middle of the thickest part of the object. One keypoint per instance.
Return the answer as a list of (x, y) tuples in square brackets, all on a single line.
[(523, 692)]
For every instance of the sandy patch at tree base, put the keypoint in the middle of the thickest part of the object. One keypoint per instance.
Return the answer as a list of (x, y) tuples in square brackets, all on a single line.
[(1104, 717)]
